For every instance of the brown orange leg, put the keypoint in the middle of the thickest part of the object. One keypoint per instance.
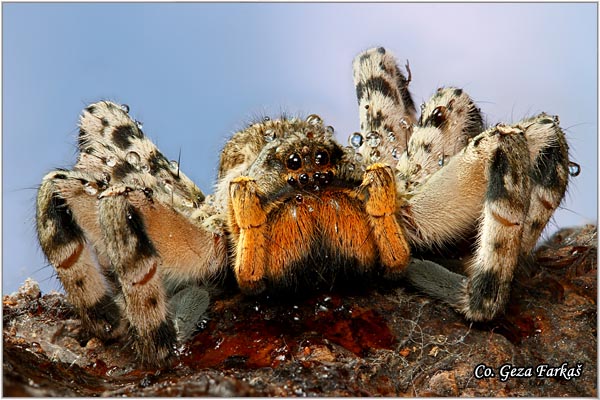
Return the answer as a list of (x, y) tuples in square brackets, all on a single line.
[(380, 206), (251, 253)]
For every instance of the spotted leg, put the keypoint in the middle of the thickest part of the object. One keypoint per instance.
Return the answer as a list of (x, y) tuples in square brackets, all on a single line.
[(548, 153), (69, 236), (386, 109), (137, 265)]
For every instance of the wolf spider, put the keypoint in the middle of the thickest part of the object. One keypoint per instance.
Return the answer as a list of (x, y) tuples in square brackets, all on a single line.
[(132, 238)]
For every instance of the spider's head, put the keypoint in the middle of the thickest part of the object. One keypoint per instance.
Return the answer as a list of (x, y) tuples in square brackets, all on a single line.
[(299, 155), (307, 158)]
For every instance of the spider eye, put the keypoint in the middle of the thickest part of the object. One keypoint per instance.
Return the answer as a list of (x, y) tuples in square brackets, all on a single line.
[(294, 162), (303, 178), (438, 116), (322, 157)]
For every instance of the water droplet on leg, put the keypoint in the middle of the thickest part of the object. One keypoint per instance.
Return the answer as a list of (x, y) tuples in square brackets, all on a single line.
[(373, 139), (269, 135), (356, 140), (441, 159), (133, 158), (574, 168), (111, 161), (404, 124), (314, 119)]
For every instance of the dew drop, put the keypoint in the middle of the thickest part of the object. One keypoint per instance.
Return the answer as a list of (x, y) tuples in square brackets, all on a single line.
[(139, 125), (125, 108), (269, 135), (351, 167), (145, 168), (266, 119), (391, 136), (299, 198), (90, 189), (404, 124), (442, 160), (310, 209), (358, 157), (574, 168), (356, 140), (111, 161), (373, 139), (329, 129), (375, 155), (422, 107), (133, 158), (556, 120), (314, 119), (395, 153)]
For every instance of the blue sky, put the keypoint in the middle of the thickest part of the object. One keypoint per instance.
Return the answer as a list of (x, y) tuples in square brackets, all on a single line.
[(193, 73)]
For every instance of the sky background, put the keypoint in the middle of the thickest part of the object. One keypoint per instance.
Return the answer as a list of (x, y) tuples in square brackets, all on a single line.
[(195, 73)]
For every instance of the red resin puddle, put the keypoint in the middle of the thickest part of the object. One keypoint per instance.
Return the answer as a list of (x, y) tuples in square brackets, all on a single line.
[(274, 334)]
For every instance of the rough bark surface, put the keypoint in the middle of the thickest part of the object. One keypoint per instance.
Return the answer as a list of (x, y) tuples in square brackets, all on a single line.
[(384, 341)]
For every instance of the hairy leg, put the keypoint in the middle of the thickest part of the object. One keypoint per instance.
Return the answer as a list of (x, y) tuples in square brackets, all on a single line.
[(549, 157), (69, 235), (491, 182), (386, 109), (137, 265)]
